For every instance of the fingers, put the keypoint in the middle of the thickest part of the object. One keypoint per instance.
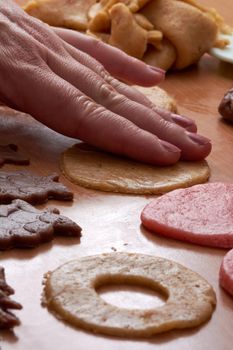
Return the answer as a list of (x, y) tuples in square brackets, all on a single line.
[(129, 91), (115, 61), (192, 146), (180, 120), (62, 107), (135, 95)]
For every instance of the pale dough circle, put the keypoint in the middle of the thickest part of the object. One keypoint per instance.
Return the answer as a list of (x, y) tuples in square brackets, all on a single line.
[(70, 293), (92, 168)]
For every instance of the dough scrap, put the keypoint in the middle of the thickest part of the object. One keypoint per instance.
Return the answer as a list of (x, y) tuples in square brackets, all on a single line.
[(61, 13), (122, 22), (70, 294), (89, 167)]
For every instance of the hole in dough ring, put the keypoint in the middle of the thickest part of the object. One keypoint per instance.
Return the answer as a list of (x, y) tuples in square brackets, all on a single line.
[(71, 295)]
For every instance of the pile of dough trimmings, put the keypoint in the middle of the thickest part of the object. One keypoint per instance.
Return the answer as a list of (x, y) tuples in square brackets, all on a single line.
[(163, 33), (70, 293)]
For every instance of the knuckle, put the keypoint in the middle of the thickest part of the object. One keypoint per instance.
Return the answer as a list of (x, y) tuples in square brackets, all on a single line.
[(102, 72), (109, 97), (89, 109), (106, 93)]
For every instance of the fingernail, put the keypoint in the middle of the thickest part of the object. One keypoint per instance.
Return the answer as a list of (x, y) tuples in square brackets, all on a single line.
[(169, 147), (157, 69), (199, 139), (182, 121)]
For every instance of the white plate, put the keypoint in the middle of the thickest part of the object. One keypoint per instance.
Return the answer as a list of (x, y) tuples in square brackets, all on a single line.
[(225, 54)]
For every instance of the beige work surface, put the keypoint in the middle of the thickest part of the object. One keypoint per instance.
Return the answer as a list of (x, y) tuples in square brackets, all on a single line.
[(112, 222)]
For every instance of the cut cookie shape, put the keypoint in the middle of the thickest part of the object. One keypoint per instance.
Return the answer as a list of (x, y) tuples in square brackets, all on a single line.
[(7, 319), (31, 188), (201, 214), (226, 272), (70, 294), (89, 167), (22, 225), (9, 154)]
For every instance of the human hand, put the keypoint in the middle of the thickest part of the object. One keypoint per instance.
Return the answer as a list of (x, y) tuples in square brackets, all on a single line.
[(50, 75)]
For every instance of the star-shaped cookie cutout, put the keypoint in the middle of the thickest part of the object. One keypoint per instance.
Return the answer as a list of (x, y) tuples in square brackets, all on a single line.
[(31, 187), (22, 225)]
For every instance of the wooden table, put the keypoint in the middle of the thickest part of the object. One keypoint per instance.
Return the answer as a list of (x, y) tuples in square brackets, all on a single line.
[(111, 222)]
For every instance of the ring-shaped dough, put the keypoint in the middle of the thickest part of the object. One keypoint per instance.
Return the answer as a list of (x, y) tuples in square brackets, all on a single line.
[(70, 293)]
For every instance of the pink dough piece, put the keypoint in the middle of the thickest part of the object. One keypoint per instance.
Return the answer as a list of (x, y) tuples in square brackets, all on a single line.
[(226, 272), (201, 214)]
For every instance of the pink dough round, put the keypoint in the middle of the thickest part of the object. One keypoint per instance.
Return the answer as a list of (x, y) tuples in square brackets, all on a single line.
[(201, 214), (226, 272)]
